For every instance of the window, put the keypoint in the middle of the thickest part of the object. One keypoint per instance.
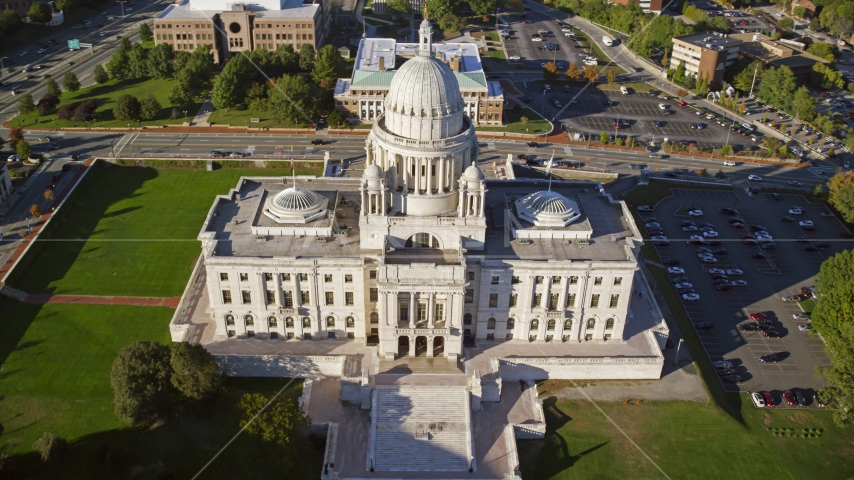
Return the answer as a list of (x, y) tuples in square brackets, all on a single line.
[(268, 277), (618, 280), (348, 279), (289, 322), (440, 312), (513, 298), (609, 324), (272, 321), (615, 299), (286, 277), (247, 297), (327, 278), (567, 325), (493, 300), (404, 311), (306, 322), (271, 297), (511, 323), (597, 281), (330, 298), (594, 300), (375, 317), (553, 299), (535, 324), (469, 295), (514, 280), (250, 320), (226, 296), (289, 299), (303, 277), (538, 280), (351, 322), (471, 276), (551, 325), (274, 335), (374, 295), (372, 274), (555, 280), (244, 277), (467, 319), (250, 333), (229, 319), (591, 323), (573, 280), (348, 298), (490, 324), (306, 336), (495, 280), (223, 277), (570, 300), (538, 300), (421, 311), (330, 322), (305, 297)]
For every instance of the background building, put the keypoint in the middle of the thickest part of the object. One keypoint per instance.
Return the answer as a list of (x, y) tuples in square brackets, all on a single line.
[(654, 6), (706, 53), (361, 96), (20, 6), (230, 27), (777, 54)]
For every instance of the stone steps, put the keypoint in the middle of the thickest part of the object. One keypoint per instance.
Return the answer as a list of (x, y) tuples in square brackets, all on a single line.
[(421, 404), (441, 451)]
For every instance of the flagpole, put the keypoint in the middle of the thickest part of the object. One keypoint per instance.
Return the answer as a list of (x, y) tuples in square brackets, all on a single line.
[(293, 171), (549, 169)]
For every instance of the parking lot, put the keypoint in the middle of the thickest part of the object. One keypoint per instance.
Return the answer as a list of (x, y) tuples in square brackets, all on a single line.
[(522, 45), (783, 271)]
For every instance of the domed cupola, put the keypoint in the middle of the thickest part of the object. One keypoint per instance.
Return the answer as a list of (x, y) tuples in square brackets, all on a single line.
[(547, 209), (296, 205)]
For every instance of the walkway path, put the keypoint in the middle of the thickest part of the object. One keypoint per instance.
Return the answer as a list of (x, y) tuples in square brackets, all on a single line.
[(171, 302), (201, 118)]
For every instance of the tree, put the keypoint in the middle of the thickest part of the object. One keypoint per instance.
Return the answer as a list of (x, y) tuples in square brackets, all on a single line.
[(803, 104), (101, 75), (194, 79), (826, 77), (53, 88), (399, 6), (603, 137), (610, 76), (47, 104), (516, 5), (550, 71), (770, 143), (703, 172), (26, 105), (306, 57), (679, 73), (335, 119), (591, 73), (149, 107), (84, 111), (181, 95), (230, 88), (48, 195), (451, 22), (573, 72), (65, 5), (681, 93), (16, 134), (440, 8), (127, 108), (823, 50), (256, 97), (160, 61), (664, 59), (524, 120), (292, 100), (140, 378), (281, 423), (119, 63), (832, 318), (35, 210), (785, 24), (195, 373), (39, 12), (145, 34), (52, 449), (327, 65), (70, 82), (482, 7), (24, 150), (817, 190), (138, 65), (799, 11), (726, 150), (66, 111)]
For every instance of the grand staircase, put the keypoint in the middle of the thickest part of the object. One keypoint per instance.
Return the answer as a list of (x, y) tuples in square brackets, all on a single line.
[(421, 428)]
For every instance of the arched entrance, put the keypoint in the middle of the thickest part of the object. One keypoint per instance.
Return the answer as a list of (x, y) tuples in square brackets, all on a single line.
[(402, 346), (420, 346), (438, 346)]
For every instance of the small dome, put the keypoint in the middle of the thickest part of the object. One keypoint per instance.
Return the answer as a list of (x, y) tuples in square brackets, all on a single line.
[(473, 173), (547, 202), (373, 172), (548, 209), (295, 199)]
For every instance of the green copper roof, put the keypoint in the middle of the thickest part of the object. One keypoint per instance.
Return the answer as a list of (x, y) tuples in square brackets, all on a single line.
[(366, 78)]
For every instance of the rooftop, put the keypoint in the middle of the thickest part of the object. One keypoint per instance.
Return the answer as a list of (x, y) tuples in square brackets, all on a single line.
[(711, 40), (200, 10), (761, 47)]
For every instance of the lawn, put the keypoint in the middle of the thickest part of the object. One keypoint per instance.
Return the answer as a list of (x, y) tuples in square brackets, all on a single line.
[(56, 365), (584, 39), (807, 305), (242, 117), (128, 231), (105, 96), (513, 123), (687, 440)]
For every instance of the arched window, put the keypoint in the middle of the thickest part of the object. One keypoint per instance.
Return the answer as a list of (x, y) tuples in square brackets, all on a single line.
[(535, 324), (567, 325), (229, 319), (351, 322), (591, 323), (272, 321), (609, 324), (306, 322), (511, 323), (550, 325), (467, 319), (330, 321), (289, 322), (490, 324), (422, 240), (375, 317), (250, 320)]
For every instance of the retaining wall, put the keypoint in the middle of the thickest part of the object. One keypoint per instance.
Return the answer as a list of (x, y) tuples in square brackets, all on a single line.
[(310, 366), (590, 368)]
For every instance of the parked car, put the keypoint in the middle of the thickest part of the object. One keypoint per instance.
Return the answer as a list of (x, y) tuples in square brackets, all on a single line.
[(769, 400), (789, 397), (758, 399), (770, 358), (704, 326), (690, 297), (675, 271)]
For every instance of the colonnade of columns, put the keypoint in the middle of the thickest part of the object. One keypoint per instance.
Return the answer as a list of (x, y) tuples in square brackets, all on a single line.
[(422, 175)]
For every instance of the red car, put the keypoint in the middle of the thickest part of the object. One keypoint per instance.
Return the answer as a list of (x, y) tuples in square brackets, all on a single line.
[(526, 22), (769, 400), (757, 315), (682, 104), (747, 236), (736, 225), (790, 398)]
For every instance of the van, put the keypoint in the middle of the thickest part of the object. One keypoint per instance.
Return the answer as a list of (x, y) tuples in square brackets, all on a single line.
[(624, 90), (748, 126)]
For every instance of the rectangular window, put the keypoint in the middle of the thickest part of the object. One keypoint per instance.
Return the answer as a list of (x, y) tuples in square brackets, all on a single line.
[(421, 313), (573, 280), (273, 322), (268, 277), (244, 277), (372, 274), (570, 300), (493, 300), (327, 278), (286, 277), (303, 277), (348, 279), (555, 280), (615, 299), (271, 297), (512, 302), (440, 312), (471, 276), (348, 298), (289, 299), (538, 280), (495, 279), (594, 300), (553, 299), (618, 280), (330, 298), (305, 297), (223, 277), (469, 295), (247, 296), (538, 299), (374, 295), (597, 281), (514, 280), (274, 335), (226, 296), (404, 312)]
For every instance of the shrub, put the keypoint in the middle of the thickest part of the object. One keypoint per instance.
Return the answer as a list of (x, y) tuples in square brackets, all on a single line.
[(127, 108), (84, 111), (52, 449), (66, 111)]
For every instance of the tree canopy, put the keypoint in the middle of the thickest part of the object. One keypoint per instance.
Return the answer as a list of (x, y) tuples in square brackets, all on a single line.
[(327, 67), (195, 373), (841, 197), (777, 87), (282, 423), (293, 100), (230, 87), (141, 383), (40, 12), (70, 82)]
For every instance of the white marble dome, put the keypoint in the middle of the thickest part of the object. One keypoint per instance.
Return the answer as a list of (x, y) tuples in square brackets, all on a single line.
[(296, 205), (547, 209), (372, 172)]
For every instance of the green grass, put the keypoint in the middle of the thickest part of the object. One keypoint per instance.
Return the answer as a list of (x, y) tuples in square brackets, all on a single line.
[(133, 232), (56, 378), (497, 54), (584, 39), (105, 96), (242, 117), (513, 123), (807, 305), (687, 440)]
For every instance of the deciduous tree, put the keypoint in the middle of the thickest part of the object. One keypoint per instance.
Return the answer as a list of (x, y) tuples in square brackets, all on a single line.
[(610, 75), (230, 88), (127, 108), (145, 34), (281, 423), (591, 73), (39, 12), (292, 100), (66, 111), (53, 88), (141, 381), (335, 119), (65, 5), (35, 210), (550, 71), (24, 150), (52, 449), (118, 65), (195, 373), (160, 61), (16, 134), (306, 57), (100, 75), (138, 64), (26, 105), (149, 107), (573, 72), (70, 82), (47, 104), (84, 111), (327, 67)]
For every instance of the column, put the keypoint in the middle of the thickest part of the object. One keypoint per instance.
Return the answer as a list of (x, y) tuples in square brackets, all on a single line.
[(429, 175), (564, 285), (278, 292), (412, 309), (364, 201), (382, 307), (461, 203), (442, 175), (430, 341), (297, 294), (412, 345), (418, 163), (482, 196), (382, 197), (262, 291), (431, 308), (314, 300)]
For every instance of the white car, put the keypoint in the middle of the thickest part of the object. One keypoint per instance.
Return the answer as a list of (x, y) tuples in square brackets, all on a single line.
[(690, 297), (658, 237), (710, 116), (547, 87), (41, 50), (514, 57), (795, 211), (683, 285), (734, 272), (716, 271), (537, 39), (754, 178), (758, 401), (675, 271), (764, 238), (644, 208), (711, 234), (689, 228), (662, 106), (22, 53), (800, 316), (729, 163), (804, 327), (805, 223), (795, 183), (698, 238), (709, 260), (583, 54), (695, 213), (738, 283)]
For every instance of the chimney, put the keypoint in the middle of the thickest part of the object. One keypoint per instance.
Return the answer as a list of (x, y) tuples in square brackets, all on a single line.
[(455, 64), (382, 63)]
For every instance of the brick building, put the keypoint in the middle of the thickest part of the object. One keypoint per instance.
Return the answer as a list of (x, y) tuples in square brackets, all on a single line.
[(705, 53)]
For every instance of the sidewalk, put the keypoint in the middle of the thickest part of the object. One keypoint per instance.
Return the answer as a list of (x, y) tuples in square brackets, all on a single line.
[(171, 302), (201, 118)]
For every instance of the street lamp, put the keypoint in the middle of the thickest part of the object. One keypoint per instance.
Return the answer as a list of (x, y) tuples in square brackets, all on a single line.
[(544, 101), (185, 114), (122, 3)]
